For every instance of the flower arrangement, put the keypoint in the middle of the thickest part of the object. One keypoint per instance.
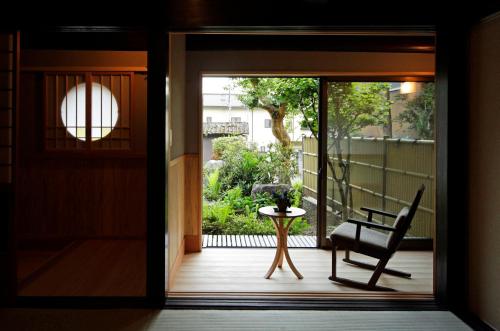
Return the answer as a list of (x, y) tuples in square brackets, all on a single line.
[(282, 200)]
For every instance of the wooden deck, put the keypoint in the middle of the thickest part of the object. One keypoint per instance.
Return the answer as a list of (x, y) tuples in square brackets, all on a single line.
[(234, 271), (256, 241)]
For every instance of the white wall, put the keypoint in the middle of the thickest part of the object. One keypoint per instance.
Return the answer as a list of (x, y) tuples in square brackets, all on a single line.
[(258, 133)]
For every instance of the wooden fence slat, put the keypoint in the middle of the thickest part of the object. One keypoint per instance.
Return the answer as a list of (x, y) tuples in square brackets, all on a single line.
[(299, 241), (304, 241), (261, 240), (266, 241), (249, 241)]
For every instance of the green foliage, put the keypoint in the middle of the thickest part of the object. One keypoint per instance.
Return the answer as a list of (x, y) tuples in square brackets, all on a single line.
[(244, 165), (230, 145), (246, 204), (212, 189), (242, 169), (352, 106), (220, 218), (419, 112), (282, 98), (296, 193), (216, 217), (280, 164), (237, 214), (282, 200), (297, 93)]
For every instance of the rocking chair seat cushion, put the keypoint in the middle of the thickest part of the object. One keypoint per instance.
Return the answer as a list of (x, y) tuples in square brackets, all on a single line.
[(370, 240)]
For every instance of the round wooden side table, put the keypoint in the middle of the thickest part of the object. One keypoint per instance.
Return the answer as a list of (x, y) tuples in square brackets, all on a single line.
[(282, 227)]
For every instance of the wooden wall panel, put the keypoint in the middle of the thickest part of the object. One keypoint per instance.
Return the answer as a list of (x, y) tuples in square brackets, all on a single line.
[(193, 205), (483, 176), (176, 215), (184, 210), (76, 195), (82, 198)]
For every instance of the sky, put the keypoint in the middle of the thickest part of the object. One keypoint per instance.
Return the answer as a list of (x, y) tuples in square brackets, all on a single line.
[(217, 85)]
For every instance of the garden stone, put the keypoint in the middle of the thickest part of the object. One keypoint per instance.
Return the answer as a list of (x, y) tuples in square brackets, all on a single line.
[(269, 188)]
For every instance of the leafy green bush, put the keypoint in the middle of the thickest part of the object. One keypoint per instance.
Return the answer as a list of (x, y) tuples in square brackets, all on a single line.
[(219, 218), (297, 194), (227, 145), (244, 165), (213, 187), (216, 217), (241, 169), (231, 209), (279, 164), (240, 203)]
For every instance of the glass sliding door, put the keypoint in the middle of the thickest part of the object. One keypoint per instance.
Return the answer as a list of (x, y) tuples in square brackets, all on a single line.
[(377, 147)]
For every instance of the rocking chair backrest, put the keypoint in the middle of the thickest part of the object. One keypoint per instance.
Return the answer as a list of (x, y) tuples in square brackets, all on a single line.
[(403, 221)]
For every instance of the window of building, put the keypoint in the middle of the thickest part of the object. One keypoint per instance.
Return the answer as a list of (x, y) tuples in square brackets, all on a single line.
[(77, 118), (235, 119), (267, 123)]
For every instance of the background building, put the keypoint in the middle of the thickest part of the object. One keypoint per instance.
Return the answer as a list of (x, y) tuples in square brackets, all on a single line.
[(224, 114)]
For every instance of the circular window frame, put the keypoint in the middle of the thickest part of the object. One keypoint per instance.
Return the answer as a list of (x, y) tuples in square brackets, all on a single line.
[(73, 112)]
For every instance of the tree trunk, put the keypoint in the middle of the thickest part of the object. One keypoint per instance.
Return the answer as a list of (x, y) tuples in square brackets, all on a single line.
[(278, 125), (342, 180)]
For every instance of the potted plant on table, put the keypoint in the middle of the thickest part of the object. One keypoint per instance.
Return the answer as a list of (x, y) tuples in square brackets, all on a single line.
[(282, 200)]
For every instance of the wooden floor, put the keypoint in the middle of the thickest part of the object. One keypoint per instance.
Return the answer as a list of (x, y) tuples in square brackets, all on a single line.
[(238, 271), (89, 268)]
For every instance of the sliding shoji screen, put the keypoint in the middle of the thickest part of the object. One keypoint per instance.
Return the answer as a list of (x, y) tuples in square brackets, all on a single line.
[(88, 111)]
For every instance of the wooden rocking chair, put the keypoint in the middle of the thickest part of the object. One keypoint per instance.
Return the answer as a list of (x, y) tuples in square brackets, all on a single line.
[(379, 245)]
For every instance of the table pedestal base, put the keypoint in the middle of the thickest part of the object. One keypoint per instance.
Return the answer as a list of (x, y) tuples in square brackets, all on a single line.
[(282, 248)]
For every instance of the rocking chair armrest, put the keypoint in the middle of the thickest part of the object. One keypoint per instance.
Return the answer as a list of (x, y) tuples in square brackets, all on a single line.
[(371, 225), (380, 212)]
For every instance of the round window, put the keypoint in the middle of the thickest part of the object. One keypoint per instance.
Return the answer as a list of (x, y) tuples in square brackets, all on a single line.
[(104, 111)]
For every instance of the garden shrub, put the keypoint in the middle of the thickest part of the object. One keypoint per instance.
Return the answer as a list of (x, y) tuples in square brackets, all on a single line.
[(280, 164), (231, 209), (297, 194), (240, 203), (216, 217), (241, 169), (213, 187), (225, 145), (219, 219)]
